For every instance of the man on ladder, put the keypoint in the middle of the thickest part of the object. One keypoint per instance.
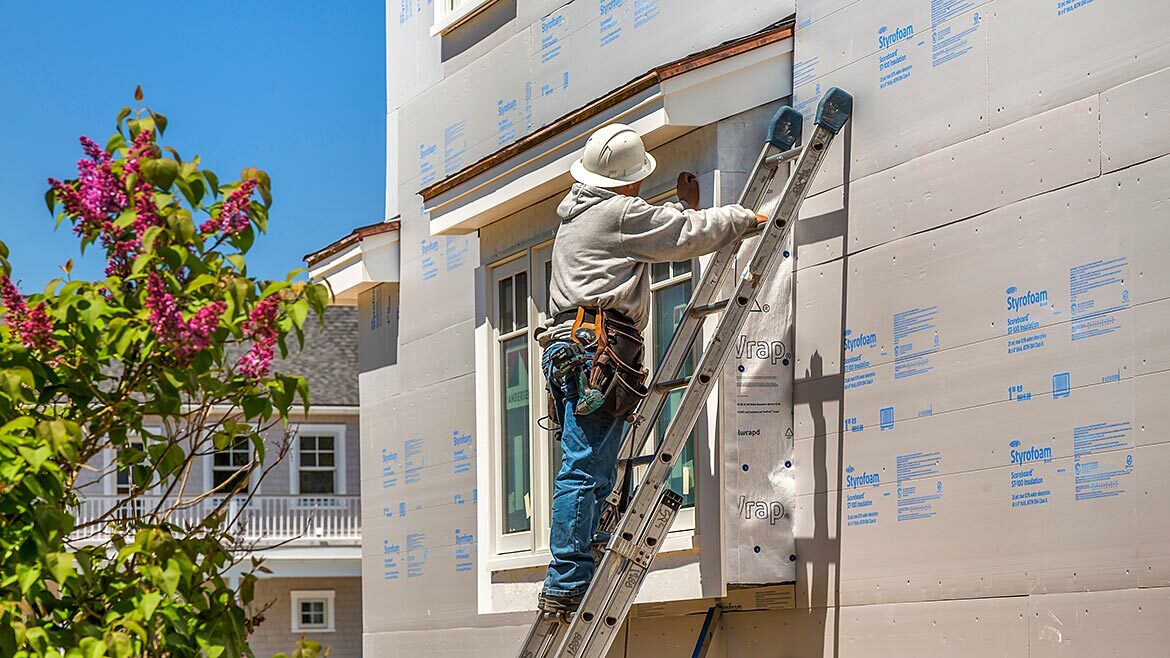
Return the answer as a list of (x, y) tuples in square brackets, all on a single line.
[(600, 299)]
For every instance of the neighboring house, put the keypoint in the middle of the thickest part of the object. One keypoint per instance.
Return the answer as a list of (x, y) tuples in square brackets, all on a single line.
[(305, 516)]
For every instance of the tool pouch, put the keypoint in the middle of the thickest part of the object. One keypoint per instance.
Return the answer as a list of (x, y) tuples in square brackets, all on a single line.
[(617, 365)]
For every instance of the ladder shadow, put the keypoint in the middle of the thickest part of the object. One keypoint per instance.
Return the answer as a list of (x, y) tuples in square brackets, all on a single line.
[(825, 394)]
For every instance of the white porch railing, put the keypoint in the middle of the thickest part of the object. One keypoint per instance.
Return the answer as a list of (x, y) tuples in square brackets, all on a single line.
[(266, 519)]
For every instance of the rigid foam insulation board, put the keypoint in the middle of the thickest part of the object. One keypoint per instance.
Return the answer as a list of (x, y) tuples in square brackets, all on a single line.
[(1039, 429), (1135, 121), (548, 69), (910, 303), (985, 172), (947, 629), (964, 68), (419, 510), (917, 88), (1045, 54), (756, 432)]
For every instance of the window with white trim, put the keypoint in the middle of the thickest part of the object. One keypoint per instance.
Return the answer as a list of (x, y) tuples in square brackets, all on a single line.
[(449, 13), (229, 466), (527, 458), (313, 611), (317, 461)]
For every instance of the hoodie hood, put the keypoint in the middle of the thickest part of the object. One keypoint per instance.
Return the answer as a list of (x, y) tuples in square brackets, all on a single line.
[(580, 198)]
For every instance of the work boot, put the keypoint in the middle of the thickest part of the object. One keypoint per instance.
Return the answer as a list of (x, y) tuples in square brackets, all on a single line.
[(559, 605)]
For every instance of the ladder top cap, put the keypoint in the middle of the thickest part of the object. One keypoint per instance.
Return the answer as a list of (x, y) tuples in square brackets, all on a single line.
[(834, 110), (784, 131)]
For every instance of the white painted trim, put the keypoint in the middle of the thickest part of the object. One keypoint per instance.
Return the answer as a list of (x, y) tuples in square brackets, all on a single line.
[(361, 266), (338, 410), (296, 596), (447, 21), (688, 101), (339, 464)]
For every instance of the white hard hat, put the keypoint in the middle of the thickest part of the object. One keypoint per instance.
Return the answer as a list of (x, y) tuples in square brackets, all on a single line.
[(614, 156)]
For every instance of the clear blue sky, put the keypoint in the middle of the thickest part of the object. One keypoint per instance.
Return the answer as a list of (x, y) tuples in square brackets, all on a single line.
[(295, 88)]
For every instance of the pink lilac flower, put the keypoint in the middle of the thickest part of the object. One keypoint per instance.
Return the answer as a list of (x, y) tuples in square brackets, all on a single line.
[(233, 216), (98, 197), (183, 338), (32, 325), (261, 328)]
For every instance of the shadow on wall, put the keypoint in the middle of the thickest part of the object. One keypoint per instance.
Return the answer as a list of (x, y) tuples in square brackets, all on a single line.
[(822, 551), (478, 28)]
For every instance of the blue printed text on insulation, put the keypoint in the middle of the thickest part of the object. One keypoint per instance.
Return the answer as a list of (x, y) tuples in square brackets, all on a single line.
[(863, 479), (953, 41), (1021, 456), (1097, 293), (888, 37), (1068, 6), (1102, 461), (915, 339)]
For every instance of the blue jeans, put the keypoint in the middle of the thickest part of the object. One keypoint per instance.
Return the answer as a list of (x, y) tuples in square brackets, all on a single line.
[(589, 467)]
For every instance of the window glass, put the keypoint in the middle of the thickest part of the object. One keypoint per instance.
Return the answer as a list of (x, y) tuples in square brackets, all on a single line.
[(517, 444), (316, 472), (669, 305), (507, 320), (229, 466), (313, 613)]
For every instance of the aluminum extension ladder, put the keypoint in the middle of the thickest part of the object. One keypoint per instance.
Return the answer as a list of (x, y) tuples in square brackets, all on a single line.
[(636, 535)]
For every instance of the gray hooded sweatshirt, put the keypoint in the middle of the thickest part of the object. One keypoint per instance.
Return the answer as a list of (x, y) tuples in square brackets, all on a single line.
[(606, 242)]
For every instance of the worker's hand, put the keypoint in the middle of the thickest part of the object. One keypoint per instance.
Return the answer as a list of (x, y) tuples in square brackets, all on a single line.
[(761, 219), (688, 189)]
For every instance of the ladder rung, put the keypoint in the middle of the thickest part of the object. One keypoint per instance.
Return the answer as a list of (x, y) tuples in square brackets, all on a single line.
[(708, 309), (644, 460), (672, 385), (773, 161)]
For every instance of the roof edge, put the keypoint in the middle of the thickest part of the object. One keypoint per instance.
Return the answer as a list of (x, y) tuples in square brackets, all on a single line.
[(358, 234)]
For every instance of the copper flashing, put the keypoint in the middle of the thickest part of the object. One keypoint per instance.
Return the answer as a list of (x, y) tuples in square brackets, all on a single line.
[(632, 88), (357, 235)]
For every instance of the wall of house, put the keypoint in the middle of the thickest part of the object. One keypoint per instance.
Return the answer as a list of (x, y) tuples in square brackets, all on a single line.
[(451, 101), (978, 469), (275, 634)]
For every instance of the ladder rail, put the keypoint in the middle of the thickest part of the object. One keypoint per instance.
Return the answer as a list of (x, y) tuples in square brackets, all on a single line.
[(607, 602), (687, 333)]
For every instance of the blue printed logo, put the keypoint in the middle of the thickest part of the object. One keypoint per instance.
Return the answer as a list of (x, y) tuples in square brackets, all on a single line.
[(1061, 385), (1017, 300), (862, 480), (887, 37), (886, 418), (864, 340), (1028, 455)]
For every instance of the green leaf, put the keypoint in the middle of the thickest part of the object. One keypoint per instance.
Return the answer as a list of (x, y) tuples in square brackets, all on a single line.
[(26, 575), (116, 140), (122, 114), (170, 577), (193, 189), (200, 282), (319, 297), (238, 288), (91, 647), (60, 566), (120, 645), (35, 457), (212, 182), (161, 172), (237, 261), (148, 604), (126, 218), (161, 121), (298, 311), (50, 202)]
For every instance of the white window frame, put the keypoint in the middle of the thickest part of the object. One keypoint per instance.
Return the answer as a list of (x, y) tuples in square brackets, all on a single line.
[(110, 463), (301, 595), (337, 431), (516, 550), (449, 14), (685, 519), (209, 471), (516, 542)]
